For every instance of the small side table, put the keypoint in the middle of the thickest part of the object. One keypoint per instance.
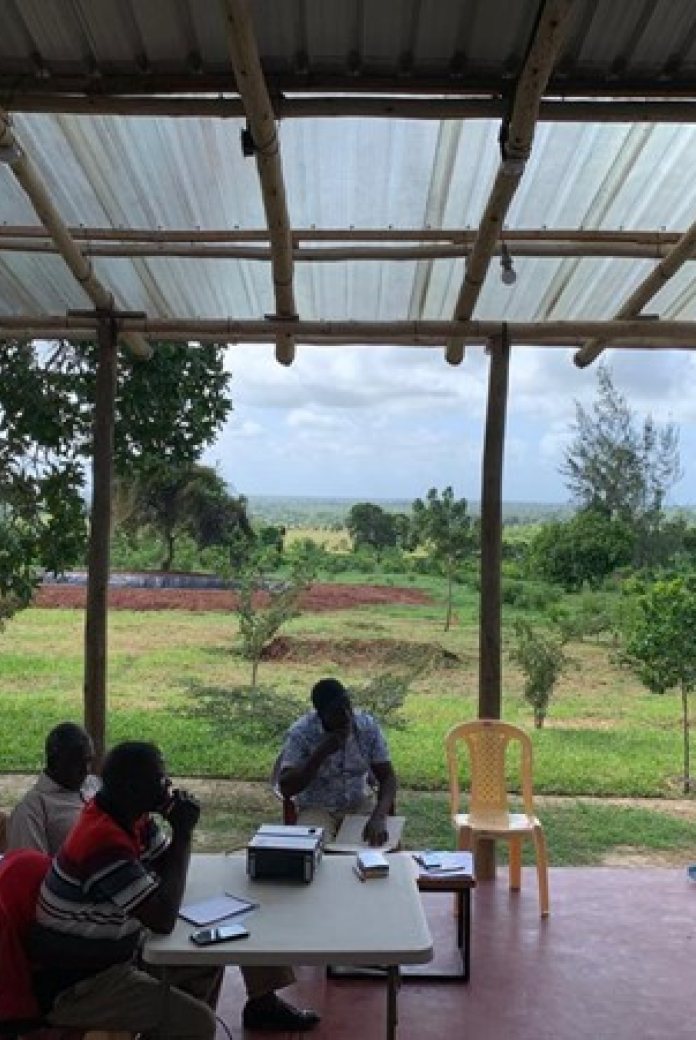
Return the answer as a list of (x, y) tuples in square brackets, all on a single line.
[(459, 883)]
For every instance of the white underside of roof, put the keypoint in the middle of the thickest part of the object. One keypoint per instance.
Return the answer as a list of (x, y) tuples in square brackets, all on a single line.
[(190, 173)]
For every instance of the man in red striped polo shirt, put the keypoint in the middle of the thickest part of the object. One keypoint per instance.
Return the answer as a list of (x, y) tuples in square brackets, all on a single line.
[(115, 874)]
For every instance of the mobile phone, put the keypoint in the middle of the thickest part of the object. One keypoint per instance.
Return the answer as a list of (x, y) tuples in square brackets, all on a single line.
[(219, 934)]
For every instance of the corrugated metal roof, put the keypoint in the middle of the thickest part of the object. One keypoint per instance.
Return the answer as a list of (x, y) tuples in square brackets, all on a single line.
[(461, 45), (190, 174)]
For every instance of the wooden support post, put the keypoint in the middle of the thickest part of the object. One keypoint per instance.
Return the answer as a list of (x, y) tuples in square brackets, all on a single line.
[(99, 536), (490, 640)]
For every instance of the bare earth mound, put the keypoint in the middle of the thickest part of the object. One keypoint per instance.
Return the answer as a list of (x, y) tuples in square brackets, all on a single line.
[(351, 652), (318, 598)]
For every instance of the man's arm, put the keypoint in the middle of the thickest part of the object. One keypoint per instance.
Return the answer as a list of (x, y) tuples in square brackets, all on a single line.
[(159, 911), (375, 829), (293, 779)]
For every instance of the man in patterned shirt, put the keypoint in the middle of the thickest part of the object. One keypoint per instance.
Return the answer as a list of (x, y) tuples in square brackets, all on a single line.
[(115, 874), (328, 758)]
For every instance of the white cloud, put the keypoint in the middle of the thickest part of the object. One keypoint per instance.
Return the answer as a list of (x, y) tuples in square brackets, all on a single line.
[(388, 422)]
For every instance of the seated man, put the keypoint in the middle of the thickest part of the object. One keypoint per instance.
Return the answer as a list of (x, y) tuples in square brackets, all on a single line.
[(43, 817), (327, 758), (115, 874)]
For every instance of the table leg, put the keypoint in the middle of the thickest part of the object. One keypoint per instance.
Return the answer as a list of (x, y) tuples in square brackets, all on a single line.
[(464, 931), (393, 981)]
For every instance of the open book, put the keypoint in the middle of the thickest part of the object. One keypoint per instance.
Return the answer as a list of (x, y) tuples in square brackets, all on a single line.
[(350, 839)]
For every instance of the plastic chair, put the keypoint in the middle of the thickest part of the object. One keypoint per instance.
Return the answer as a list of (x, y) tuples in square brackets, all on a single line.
[(487, 741)]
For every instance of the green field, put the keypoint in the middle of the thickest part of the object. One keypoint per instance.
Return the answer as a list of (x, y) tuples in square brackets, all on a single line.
[(605, 736)]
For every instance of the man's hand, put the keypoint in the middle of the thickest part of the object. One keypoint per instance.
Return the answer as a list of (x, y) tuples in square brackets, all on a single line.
[(336, 739), (183, 812), (375, 830)]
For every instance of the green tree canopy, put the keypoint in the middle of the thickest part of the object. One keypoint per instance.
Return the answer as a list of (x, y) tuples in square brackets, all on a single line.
[(661, 648), (167, 409), (370, 525), (620, 467), (442, 523), (583, 550), (190, 499)]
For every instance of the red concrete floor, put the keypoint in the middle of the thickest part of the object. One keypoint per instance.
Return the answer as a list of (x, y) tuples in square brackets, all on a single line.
[(616, 959)]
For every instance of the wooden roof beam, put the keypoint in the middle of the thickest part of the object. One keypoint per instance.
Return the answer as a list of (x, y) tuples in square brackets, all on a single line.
[(638, 332), (12, 155), (551, 110), (516, 143), (643, 293), (264, 135)]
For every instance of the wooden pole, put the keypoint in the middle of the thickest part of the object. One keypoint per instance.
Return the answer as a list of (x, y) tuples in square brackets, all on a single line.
[(516, 144), (490, 635), (264, 138), (643, 293), (353, 107), (650, 243), (636, 333), (28, 178), (99, 535), (342, 254)]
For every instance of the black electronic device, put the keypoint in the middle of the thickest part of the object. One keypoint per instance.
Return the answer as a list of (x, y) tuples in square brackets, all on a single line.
[(218, 934), (280, 853)]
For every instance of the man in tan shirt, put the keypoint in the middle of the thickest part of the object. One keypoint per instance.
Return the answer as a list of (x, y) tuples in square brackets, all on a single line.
[(47, 812)]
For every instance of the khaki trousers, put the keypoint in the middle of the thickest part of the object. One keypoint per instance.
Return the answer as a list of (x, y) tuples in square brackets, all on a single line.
[(124, 997)]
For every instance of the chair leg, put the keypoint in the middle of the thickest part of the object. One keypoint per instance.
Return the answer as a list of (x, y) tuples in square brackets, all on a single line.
[(542, 865), (515, 845)]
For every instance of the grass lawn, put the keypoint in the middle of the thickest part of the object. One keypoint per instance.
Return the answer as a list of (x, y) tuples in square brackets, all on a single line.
[(605, 735)]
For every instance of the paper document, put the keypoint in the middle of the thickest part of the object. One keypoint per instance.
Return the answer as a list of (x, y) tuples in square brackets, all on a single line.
[(447, 863), (350, 839), (217, 908)]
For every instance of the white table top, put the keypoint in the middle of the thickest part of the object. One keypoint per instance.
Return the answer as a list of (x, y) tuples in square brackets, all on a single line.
[(334, 919)]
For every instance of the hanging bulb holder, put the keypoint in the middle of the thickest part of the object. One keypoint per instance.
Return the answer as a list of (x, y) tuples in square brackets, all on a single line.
[(507, 271)]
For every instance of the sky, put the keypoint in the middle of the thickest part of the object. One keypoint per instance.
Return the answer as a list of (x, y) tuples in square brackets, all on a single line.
[(373, 423)]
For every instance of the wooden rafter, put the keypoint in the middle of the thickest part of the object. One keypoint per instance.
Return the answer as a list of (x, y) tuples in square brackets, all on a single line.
[(617, 242), (24, 171), (643, 293), (264, 133), (354, 107), (636, 333), (516, 144), (387, 245)]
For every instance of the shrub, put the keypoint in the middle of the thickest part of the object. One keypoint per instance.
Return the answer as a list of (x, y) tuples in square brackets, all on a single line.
[(542, 660)]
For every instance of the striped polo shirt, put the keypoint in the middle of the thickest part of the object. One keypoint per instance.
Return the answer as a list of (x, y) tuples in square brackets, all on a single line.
[(84, 914)]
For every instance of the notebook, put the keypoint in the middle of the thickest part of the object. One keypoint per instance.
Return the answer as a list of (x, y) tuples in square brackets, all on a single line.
[(349, 837), (216, 908)]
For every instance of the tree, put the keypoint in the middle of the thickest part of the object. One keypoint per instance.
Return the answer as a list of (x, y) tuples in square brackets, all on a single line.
[(370, 525), (189, 499), (617, 467), (541, 657), (443, 524), (167, 409), (260, 622), (584, 549), (660, 647)]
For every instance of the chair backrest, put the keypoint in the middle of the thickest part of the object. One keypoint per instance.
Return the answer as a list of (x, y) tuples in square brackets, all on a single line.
[(487, 742), (21, 874)]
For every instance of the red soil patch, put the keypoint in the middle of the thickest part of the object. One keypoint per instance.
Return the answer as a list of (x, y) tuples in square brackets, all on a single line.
[(318, 598)]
